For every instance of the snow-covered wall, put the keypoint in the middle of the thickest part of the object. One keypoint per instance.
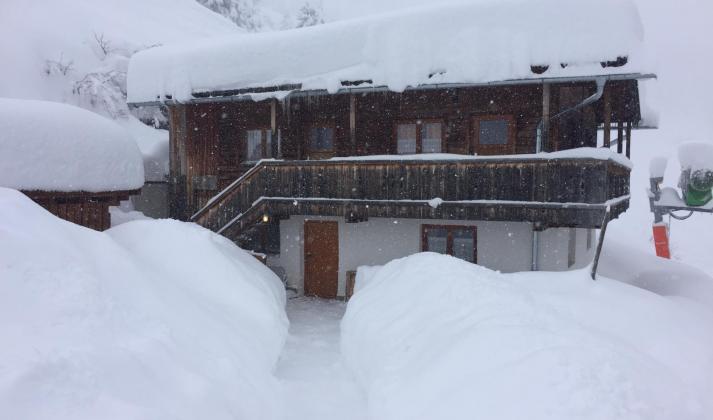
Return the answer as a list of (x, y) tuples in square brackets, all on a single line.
[(503, 246), (454, 43), (55, 147)]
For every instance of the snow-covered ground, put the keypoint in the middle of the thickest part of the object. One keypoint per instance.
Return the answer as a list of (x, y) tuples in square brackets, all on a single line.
[(316, 383), (431, 336), (149, 320)]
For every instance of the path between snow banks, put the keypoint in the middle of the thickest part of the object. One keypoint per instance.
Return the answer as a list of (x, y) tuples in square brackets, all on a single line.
[(316, 383)]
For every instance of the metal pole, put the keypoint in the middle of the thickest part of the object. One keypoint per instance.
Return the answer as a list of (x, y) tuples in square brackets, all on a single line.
[(603, 232)]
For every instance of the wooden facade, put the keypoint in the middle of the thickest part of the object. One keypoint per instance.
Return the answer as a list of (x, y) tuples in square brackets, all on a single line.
[(549, 192), (208, 146), (215, 145), (83, 208)]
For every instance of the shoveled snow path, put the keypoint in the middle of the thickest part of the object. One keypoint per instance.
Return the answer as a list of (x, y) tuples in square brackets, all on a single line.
[(316, 384)]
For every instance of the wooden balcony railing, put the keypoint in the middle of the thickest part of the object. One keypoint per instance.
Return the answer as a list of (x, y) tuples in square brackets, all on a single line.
[(551, 192)]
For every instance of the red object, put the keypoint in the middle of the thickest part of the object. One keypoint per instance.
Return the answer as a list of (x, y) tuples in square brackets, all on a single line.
[(661, 241)]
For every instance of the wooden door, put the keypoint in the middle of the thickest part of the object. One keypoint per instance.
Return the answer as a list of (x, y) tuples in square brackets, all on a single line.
[(321, 258)]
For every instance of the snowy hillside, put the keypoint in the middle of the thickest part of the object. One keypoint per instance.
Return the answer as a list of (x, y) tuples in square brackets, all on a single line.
[(77, 52), (268, 15)]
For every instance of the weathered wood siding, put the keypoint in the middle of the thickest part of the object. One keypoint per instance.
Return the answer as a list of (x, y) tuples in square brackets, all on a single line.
[(549, 192), (87, 209), (212, 136)]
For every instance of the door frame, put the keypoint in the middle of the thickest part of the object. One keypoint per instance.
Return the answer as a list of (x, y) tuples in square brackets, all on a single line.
[(312, 286)]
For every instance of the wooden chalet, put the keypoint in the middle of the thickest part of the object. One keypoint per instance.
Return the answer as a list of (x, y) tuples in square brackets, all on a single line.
[(508, 173)]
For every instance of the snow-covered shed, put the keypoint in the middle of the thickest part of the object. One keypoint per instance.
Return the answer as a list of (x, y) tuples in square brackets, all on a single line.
[(73, 162)]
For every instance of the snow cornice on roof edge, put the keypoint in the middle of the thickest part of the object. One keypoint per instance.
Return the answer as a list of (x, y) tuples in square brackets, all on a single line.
[(291, 91), (455, 44)]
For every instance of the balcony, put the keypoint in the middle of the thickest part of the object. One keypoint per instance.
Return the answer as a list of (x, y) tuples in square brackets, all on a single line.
[(563, 189)]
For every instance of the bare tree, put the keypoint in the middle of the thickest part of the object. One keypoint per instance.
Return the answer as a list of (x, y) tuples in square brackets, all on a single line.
[(59, 66), (103, 43)]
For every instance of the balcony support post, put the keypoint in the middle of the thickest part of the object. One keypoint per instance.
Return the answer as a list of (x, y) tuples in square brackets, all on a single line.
[(543, 129), (607, 119), (352, 123)]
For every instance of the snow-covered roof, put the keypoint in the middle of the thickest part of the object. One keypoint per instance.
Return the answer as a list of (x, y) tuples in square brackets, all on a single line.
[(475, 42), (56, 147)]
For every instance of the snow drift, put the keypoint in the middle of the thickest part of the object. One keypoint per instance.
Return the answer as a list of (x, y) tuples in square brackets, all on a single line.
[(431, 336), (470, 42), (55, 147), (149, 320)]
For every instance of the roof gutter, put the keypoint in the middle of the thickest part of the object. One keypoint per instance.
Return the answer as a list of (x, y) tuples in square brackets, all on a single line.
[(601, 83), (246, 94)]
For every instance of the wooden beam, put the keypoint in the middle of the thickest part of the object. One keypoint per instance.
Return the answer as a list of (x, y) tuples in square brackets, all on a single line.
[(628, 139), (273, 129), (620, 135), (545, 117), (607, 119), (352, 123)]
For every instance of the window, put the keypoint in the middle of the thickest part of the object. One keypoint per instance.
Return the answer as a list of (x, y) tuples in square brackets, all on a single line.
[(419, 137), (493, 134), (458, 241), (406, 139), (258, 144), (228, 143), (321, 139)]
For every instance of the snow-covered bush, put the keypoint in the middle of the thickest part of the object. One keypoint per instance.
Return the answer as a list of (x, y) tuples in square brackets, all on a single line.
[(149, 320), (308, 15), (432, 337)]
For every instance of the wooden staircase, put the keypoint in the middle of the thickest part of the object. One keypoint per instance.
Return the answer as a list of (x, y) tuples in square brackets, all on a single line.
[(553, 192)]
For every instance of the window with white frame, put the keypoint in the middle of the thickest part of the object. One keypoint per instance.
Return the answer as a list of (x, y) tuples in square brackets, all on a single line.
[(419, 137)]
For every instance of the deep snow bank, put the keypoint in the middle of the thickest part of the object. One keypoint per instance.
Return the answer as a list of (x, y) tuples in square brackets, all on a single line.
[(150, 320), (56, 147), (431, 336), (659, 275)]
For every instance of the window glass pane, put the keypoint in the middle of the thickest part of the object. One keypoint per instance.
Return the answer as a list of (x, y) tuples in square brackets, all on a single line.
[(321, 138), (406, 139), (254, 145), (463, 244), (268, 144), (431, 138), (437, 240), (493, 132)]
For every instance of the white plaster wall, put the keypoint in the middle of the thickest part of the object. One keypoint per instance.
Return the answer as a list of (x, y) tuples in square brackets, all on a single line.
[(504, 246), (585, 253)]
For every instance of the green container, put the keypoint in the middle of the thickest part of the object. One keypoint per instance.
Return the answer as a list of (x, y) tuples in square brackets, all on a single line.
[(696, 197), (699, 188)]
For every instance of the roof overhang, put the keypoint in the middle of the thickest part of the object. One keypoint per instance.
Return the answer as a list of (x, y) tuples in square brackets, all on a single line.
[(257, 94)]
